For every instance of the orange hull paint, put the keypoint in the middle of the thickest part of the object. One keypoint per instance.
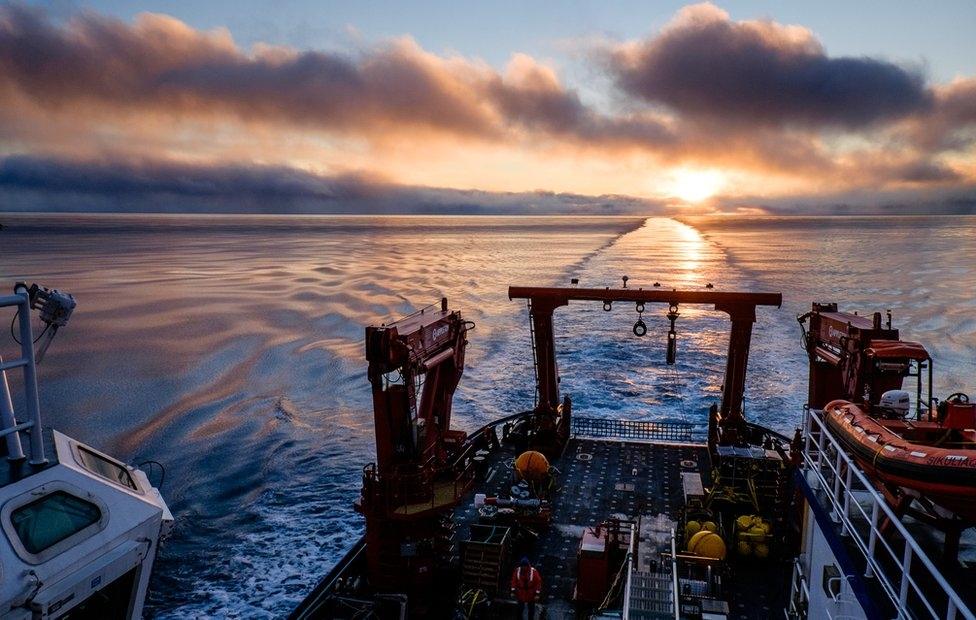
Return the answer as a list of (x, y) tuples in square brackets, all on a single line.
[(946, 476)]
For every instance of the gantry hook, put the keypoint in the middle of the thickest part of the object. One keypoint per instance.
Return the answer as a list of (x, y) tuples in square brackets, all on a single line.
[(673, 315), (640, 327)]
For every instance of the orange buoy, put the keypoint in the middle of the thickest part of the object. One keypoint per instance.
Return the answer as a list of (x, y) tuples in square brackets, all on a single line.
[(532, 465)]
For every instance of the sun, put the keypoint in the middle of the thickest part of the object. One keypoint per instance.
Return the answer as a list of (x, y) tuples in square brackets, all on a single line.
[(694, 186)]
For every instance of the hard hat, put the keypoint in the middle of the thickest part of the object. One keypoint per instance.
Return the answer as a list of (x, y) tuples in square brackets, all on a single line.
[(525, 561)]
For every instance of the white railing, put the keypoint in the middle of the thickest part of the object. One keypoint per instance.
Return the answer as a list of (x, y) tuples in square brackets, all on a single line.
[(631, 560), (858, 509), (675, 601), (9, 428)]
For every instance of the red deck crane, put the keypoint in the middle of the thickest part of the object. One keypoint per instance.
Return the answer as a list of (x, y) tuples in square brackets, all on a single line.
[(857, 358), (415, 364)]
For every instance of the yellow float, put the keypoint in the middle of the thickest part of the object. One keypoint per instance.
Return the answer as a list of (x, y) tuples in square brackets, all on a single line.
[(532, 466), (707, 544)]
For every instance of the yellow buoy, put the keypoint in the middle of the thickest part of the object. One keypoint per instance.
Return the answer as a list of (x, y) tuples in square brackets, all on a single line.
[(758, 531), (710, 526), (761, 550), (744, 522), (707, 544), (532, 465), (692, 528), (744, 548)]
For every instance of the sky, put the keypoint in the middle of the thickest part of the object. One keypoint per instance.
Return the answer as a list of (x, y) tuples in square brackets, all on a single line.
[(506, 107)]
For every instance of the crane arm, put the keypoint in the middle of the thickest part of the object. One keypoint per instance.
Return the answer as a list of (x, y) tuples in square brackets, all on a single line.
[(415, 365)]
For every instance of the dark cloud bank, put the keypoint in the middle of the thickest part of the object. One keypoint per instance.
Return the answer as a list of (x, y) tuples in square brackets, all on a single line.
[(31, 184)]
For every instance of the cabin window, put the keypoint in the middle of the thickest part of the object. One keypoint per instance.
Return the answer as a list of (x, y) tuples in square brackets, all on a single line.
[(110, 470), (47, 521)]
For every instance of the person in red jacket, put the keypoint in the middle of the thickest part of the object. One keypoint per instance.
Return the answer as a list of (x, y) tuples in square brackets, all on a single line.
[(526, 587)]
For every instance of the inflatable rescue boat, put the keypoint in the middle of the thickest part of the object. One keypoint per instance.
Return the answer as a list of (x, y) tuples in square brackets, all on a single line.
[(931, 458)]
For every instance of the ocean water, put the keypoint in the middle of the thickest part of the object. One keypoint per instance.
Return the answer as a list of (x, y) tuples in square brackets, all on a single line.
[(230, 348)]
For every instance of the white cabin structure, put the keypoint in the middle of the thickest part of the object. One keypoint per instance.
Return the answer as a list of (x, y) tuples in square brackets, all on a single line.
[(80, 529)]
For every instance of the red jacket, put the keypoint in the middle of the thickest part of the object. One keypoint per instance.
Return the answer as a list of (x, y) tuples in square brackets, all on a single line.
[(526, 583)]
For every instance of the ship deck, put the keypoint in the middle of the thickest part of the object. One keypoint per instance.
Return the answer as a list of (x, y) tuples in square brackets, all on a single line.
[(640, 480), (603, 478)]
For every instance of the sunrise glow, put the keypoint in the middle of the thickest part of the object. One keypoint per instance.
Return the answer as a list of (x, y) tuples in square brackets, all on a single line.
[(695, 186)]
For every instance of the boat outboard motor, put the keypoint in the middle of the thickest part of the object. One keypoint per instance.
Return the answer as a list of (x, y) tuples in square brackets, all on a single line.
[(895, 404)]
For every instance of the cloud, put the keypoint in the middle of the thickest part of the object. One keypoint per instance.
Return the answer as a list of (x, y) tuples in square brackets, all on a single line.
[(703, 64), (960, 200), (530, 94), (193, 117), (957, 101), (44, 184), (36, 184), (952, 124), (159, 64)]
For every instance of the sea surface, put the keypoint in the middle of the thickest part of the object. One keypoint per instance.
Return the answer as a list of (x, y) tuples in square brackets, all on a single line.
[(230, 349)]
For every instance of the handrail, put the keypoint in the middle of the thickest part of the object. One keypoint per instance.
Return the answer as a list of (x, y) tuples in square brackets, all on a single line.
[(635, 429), (631, 559), (21, 299), (676, 602), (401, 492), (839, 491), (374, 484)]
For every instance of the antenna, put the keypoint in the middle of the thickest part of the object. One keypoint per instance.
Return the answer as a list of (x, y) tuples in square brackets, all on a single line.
[(55, 309)]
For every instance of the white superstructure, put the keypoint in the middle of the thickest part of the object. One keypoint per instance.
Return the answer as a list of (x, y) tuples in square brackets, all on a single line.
[(80, 530), (850, 566)]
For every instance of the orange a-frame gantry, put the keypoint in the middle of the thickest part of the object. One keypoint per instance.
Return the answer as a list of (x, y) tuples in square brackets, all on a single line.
[(741, 308)]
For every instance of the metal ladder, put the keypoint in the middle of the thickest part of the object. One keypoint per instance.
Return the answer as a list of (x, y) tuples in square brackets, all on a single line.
[(651, 596)]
